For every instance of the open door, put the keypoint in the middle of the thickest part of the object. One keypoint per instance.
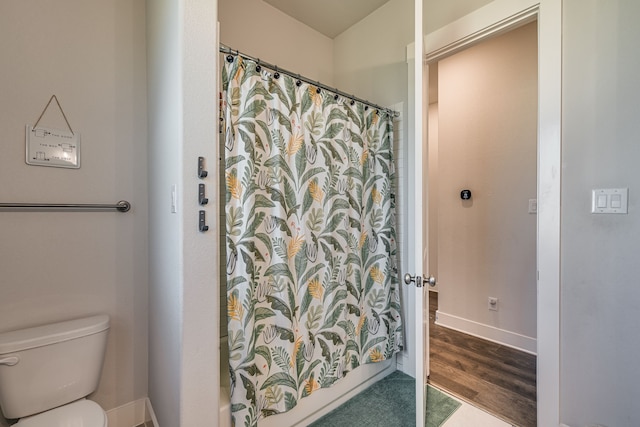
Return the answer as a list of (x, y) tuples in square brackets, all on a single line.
[(416, 276)]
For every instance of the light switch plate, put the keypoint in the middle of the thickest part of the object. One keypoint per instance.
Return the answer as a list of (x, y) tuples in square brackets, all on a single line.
[(609, 200)]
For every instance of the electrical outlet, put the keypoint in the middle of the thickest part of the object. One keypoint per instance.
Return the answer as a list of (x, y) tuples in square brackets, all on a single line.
[(493, 303)]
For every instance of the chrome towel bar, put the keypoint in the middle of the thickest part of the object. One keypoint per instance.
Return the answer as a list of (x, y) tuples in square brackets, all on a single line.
[(121, 206)]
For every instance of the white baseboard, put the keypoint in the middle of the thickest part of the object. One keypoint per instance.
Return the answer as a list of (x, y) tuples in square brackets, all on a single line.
[(490, 333), (149, 414), (132, 414)]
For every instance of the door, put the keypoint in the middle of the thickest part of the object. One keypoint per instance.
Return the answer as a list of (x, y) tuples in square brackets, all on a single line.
[(417, 220)]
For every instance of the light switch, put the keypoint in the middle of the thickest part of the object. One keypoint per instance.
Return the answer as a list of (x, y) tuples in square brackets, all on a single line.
[(174, 198), (616, 201), (609, 201)]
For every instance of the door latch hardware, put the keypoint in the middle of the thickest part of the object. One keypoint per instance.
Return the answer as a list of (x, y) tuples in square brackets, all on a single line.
[(431, 281), (408, 279), (419, 280)]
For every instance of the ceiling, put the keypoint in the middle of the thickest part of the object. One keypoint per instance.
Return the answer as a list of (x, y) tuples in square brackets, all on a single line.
[(329, 17)]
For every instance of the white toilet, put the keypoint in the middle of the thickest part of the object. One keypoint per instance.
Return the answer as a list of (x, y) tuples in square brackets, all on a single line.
[(47, 371)]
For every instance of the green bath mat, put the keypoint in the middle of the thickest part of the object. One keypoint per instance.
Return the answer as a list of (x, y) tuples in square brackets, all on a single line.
[(439, 407), (389, 403)]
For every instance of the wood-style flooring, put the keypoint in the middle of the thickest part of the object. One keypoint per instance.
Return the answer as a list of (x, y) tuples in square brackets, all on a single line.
[(492, 377)]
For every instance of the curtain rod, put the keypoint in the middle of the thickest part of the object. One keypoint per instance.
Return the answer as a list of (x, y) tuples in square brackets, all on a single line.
[(121, 206), (228, 50)]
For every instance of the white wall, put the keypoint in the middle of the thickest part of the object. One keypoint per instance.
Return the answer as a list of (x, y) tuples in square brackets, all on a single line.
[(370, 59), (262, 31), (165, 239), (62, 265), (487, 143), (183, 320), (600, 295)]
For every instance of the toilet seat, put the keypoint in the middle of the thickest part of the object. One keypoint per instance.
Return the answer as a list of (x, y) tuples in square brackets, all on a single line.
[(81, 413)]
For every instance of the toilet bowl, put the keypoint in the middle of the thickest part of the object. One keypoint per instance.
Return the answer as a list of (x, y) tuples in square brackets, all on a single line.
[(47, 371)]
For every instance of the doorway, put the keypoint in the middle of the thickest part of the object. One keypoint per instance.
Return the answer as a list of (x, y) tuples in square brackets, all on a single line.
[(483, 138)]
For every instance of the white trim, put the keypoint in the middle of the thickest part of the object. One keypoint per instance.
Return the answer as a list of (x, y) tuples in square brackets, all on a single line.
[(149, 415), (488, 20), (128, 415), (549, 180), (415, 214), (494, 19), (400, 130), (487, 332)]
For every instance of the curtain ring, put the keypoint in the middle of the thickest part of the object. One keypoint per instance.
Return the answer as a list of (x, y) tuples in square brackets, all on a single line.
[(258, 67), (276, 75), (298, 82), (318, 90)]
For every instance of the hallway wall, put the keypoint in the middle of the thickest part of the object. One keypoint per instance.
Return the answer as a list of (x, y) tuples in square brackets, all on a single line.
[(61, 265), (487, 142)]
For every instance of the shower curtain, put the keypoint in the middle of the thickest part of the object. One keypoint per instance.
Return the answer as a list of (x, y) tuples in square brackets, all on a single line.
[(312, 287)]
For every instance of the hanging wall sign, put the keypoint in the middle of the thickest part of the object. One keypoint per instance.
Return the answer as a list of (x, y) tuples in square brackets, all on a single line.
[(47, 146), (53, 147)]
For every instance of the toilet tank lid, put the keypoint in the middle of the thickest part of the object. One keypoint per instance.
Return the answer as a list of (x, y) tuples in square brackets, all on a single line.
[(38, 336)]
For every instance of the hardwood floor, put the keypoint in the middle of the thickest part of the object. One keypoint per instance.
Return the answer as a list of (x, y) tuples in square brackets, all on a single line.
[(493, 377)]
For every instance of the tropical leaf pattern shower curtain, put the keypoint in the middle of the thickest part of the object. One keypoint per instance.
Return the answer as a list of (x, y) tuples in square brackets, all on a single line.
[(312, 288)]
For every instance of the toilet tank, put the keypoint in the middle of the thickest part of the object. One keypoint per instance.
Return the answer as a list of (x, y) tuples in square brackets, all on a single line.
[(50, 365)]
